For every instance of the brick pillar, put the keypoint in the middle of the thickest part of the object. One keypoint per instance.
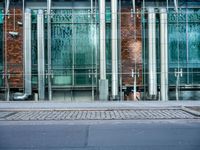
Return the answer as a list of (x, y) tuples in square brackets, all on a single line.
[(130, 49), (13, 48)]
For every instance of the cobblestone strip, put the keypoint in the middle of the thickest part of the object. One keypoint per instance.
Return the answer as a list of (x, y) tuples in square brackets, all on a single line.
[(98, 114), (6, 114)]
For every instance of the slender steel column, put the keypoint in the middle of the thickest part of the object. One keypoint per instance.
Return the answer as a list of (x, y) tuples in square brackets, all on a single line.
[(27, 52), (163, 54), (41, 58), (102, 39), (176, 5), (103, 82), (7, 2), (152, 53), (49, 48), (133, 2), (114, 50)]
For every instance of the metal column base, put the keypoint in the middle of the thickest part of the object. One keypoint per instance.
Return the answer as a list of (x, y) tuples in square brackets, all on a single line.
[(103, 89), (115, 97), (153, 97)]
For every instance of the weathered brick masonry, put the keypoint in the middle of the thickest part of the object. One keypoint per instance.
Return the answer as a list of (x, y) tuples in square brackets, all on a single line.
[(131, 51), (13, 47)]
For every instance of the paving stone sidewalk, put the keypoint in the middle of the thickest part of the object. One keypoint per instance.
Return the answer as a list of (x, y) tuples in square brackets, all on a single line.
[(118, 114)]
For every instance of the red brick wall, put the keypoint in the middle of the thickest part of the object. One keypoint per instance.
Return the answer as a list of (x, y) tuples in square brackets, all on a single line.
[(13, 48), (131, 50)]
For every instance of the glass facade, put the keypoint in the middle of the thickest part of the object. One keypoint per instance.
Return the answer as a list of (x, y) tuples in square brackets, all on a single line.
[(1, 47), (158, 50)]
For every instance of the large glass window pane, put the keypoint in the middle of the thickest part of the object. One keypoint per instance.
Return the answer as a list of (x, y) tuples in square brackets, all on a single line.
[(194, 45), (83, 46), (177, 38), (194, 36), (1, 46), (61, 42), (34, 47)]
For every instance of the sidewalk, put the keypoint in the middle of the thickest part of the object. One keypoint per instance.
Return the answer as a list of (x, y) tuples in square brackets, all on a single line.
[(61, 105), (51, 110)]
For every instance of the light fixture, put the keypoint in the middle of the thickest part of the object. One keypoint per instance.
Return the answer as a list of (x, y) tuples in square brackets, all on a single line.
[(13, 33), (19, 23)]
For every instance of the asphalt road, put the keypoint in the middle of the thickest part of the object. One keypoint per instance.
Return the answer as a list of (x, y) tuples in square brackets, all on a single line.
[(100, 135)]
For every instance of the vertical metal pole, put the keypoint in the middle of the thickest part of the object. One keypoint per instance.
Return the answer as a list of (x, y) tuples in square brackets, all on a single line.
[(176, 5), (144, 45), (114, 50), (163, 54), (134, 48), (49, 48), (187, 46), (41, 58), (178, 73), (74, 26), (102, 12), (7, 6), (152, 53), (6, 74), (27, 52), (96, 46), (103, 82), (91, 36), (133, 2), (119, 50), (167, 2)]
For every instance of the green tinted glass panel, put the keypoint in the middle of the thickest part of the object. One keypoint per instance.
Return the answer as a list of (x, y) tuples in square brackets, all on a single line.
[(184, 44), (83, 76), (1, 17), (194, 37), (61, 16), (1, 53), (84, 31), (194, 45), (34, 52), (177, 39), (84, 45), (61, 46), (81, 16), (108, 52), (34, 44)]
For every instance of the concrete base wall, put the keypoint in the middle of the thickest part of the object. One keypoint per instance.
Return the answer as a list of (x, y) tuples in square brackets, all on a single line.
[(103, 90)]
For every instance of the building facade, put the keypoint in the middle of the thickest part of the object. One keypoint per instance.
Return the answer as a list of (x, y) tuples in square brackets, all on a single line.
[(87, 50)]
